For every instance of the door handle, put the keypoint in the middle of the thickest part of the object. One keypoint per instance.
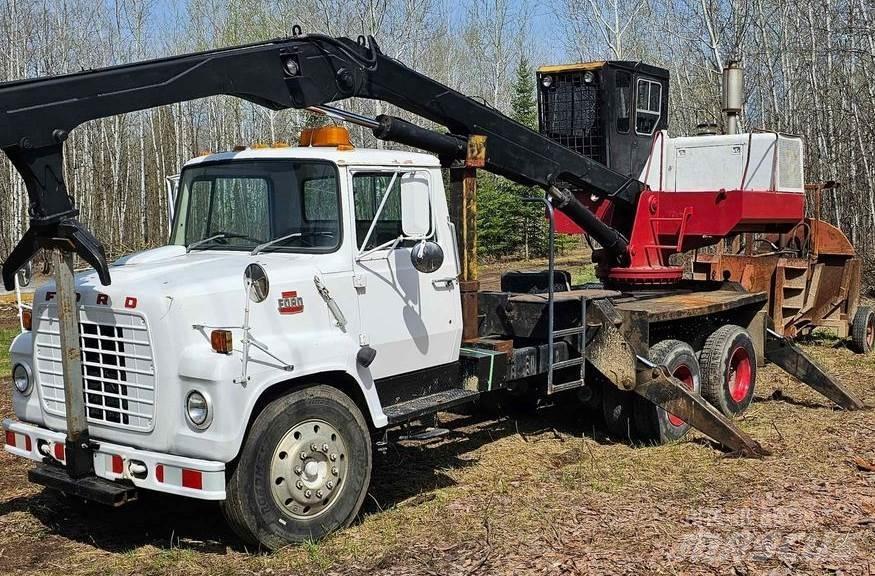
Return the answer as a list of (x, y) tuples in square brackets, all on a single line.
[(443, 282)]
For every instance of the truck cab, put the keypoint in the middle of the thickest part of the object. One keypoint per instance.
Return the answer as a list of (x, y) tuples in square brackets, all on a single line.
[(187, 345)]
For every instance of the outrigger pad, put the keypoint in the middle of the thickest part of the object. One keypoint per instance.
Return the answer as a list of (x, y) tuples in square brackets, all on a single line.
[(659, 387), (68, 234)]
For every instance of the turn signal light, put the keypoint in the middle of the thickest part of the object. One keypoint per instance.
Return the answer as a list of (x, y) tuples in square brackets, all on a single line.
[(222, 341), (27, 318)]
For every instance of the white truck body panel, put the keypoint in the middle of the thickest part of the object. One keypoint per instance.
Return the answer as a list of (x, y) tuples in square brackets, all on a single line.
[(166, 302)]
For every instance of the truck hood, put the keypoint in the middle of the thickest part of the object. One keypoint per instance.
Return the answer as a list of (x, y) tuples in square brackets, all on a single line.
[(170, 271)]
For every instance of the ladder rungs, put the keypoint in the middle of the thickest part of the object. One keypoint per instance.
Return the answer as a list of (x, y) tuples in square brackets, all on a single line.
[(570, 331), (568, 363), (567, 385)]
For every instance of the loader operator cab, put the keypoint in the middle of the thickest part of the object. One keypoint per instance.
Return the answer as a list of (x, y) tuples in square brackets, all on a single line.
[(606, 111)]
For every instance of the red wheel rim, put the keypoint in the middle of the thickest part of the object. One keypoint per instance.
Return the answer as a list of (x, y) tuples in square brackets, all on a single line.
[(685, 375), (739, 376)]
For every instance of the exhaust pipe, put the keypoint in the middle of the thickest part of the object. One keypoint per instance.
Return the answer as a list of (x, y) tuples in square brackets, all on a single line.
[(733, 94)]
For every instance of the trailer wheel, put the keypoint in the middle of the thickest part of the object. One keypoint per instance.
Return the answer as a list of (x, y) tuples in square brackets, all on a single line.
[(863, 330), (304, 469), (729, 369), (653, 423)]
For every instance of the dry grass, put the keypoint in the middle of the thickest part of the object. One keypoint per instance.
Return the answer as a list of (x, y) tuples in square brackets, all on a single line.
[(542, 494)]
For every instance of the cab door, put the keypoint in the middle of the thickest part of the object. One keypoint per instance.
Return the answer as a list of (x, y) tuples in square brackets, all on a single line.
[(412, 319)]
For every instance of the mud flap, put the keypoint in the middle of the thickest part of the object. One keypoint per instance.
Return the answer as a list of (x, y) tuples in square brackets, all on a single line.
[(798, 364), (655, 384)]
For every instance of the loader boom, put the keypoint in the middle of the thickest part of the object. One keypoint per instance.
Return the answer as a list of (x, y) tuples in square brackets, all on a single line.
[(36, 116)]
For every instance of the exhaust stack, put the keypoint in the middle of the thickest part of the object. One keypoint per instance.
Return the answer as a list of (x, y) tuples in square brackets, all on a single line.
[(733, 94)]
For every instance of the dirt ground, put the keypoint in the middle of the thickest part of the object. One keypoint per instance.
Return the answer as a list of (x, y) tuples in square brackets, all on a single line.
[(546, 493)]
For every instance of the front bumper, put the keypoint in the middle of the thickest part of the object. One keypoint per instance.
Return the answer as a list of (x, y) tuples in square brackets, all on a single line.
[(202, 479)]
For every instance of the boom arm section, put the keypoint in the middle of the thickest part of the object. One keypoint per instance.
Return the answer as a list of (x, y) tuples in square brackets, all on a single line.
[(36, 116)]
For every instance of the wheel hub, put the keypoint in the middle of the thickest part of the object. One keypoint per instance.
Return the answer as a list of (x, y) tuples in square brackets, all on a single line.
[(308, 468), (739, 376)]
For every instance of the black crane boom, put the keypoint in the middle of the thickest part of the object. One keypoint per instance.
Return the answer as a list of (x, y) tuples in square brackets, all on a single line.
[(37, 115)]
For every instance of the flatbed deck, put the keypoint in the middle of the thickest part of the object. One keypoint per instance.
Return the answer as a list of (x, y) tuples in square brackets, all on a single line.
[(683, 305)]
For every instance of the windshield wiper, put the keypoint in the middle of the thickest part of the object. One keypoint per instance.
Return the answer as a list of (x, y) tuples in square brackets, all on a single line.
[(270, 243), (217, 236)]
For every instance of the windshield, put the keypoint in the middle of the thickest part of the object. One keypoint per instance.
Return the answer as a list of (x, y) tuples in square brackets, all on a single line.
[(241, 204)]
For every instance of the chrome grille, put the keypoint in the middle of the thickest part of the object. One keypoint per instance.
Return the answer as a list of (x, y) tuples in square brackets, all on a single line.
[(117, 367)]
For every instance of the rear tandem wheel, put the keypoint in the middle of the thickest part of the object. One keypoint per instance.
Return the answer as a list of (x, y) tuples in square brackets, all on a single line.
[(729, 369), (653, 423)]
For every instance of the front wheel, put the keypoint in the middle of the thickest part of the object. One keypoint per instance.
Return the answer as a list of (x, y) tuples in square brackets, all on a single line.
[(304, 469)]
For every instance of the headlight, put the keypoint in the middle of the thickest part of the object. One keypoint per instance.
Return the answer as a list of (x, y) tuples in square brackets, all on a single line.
[(197, 408), (21, 378), (547, 81), (588, 77)]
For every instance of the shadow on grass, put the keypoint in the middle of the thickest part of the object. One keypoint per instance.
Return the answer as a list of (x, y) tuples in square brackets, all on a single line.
[(407, 469)]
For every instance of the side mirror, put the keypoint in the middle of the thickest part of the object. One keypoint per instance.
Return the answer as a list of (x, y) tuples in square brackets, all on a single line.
[(25, 274), (427, 256), (415, 205), (257, 284)]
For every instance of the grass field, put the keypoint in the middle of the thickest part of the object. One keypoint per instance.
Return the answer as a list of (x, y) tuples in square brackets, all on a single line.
[(547, 493)]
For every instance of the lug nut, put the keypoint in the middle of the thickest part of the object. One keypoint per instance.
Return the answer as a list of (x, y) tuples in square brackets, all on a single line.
[(297, 470), (318, 493), (307, 493), (313, 448), (303, 455), (325, 448), (333, 457), (299, 484), (334, 470), (329, 485)]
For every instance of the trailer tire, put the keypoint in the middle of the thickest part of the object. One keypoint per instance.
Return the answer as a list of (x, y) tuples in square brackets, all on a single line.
[(279, 491), (729, 369), (653, 423), (863, 330)]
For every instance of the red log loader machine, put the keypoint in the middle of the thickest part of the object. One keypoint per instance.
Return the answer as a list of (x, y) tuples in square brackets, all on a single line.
[(313, 297)]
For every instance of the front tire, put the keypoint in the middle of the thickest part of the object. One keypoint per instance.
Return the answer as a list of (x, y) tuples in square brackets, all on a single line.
[(304, 469)]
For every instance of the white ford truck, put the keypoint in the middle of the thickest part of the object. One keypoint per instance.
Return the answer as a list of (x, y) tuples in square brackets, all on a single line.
[(182, 353)]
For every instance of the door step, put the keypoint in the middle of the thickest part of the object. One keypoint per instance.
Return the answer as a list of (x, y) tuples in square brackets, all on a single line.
[(401, 412), (425, 434)]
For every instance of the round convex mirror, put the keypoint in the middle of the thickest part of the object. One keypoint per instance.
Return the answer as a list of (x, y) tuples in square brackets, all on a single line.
[(25, 274), (256, 282), (427, 256)]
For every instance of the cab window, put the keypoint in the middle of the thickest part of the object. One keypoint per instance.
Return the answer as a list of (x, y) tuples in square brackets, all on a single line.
[(623, 84), (648, 106), (370, 190)]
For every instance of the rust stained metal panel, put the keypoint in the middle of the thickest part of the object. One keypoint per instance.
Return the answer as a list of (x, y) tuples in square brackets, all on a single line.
[(686, 305)]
